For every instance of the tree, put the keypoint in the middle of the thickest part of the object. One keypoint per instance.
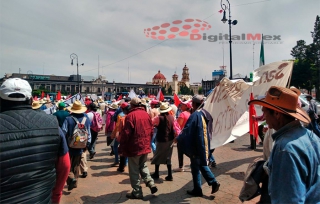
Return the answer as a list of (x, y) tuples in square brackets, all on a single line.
[(184, 90), (306, 69), (200, 90), (170, 90), (163, 90), (315, 49)]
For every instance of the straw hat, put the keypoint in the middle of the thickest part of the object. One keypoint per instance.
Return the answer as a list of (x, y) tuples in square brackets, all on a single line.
[(36, 105), (113, 106), (164, 107), (77, 107), (144, 102), (284, 101)]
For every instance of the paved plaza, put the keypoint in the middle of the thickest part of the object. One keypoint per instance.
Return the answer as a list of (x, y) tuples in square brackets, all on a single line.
[(105, 185)]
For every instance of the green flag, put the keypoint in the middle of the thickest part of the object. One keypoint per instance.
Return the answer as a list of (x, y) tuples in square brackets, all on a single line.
[(261, 63)]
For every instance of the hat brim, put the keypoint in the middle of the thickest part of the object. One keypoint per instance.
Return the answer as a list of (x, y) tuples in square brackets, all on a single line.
[(36, 107), (164, 111), (82, 110), (299, 114)]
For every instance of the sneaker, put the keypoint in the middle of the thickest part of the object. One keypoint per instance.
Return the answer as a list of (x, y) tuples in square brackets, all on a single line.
[(84, 174), (92, 155), (153, 189), (213, 164), (72, 184), (155, 176), (115, 164), (131, 196), (195, 194), (120, 170), (179, 169), (215, 187), (168, 178)]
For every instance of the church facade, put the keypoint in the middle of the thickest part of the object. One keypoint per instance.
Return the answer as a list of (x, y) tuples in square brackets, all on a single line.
[(160, 80)]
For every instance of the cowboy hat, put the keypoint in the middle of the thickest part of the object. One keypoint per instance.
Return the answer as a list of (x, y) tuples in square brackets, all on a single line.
[(144, 102), (36, 105), (284, 101), (164, 107), (294, 89), (113, 106), (77, 107)]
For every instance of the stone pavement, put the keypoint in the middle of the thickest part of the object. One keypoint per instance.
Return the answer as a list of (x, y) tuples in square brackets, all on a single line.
[(105, 185)]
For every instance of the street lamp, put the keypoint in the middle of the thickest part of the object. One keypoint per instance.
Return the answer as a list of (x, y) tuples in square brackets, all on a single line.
[(72, 57), (224, 20)]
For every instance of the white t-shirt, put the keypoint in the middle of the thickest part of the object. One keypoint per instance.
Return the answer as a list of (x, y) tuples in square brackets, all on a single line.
[(90, 116)]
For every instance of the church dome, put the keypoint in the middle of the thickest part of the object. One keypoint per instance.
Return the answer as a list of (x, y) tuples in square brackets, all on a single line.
[(159, 76)]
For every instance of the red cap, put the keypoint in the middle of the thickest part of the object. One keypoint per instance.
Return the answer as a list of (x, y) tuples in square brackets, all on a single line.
[(154, 102), (187, 103), (124, 105)]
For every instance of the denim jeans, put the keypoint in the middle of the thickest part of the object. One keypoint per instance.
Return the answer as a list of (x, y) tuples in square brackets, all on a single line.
[(196, 177), (115, 151), (92, 146), (153, 145), (211, 158)]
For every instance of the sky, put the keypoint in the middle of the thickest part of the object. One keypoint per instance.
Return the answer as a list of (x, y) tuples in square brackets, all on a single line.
[(109, 37)]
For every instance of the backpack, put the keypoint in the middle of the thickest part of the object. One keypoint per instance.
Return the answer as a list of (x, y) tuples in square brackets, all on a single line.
[(96, 124), (111, 122), (79, 138)]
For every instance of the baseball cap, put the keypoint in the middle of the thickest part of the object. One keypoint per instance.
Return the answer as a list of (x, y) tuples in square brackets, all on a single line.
[(124, 105), (197, 99), (62, 105), (15, 86)]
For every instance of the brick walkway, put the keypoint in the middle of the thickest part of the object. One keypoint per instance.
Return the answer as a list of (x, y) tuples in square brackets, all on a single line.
[(105, 185)]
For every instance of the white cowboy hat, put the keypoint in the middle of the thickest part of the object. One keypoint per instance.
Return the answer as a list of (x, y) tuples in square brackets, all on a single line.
[(164, 107)]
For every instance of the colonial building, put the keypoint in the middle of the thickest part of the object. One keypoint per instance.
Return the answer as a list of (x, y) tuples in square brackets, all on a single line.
[(160, 80), (69, 84)]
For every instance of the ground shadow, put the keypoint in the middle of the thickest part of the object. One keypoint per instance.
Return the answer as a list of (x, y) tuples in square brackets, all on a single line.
[(237, 175), (108, 173)]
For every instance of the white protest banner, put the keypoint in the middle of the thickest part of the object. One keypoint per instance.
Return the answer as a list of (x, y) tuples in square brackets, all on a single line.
[(73, 98), (228, 102), (132, 94)]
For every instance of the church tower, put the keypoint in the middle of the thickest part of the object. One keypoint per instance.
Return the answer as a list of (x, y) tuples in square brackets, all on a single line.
[(185, 76), (175, 83)]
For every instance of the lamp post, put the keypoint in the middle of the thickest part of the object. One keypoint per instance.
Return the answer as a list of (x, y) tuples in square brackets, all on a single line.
[(224, 20), (72, 57)]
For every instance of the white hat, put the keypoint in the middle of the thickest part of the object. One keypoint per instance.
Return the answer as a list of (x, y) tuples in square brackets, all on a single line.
[(15, 86)]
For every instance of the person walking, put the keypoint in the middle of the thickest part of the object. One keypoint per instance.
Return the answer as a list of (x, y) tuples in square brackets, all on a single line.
[(110, 124), (135, 144), (182, 120), (313, 114), (294, 162), (155, 104), (31, 151), (164, 138), (79, 118), (195, 143)]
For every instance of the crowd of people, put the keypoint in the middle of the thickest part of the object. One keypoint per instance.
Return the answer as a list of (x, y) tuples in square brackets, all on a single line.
[(53, 145)]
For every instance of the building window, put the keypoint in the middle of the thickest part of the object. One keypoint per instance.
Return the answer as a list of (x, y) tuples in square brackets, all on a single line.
[(99, 90), (88, 88)]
